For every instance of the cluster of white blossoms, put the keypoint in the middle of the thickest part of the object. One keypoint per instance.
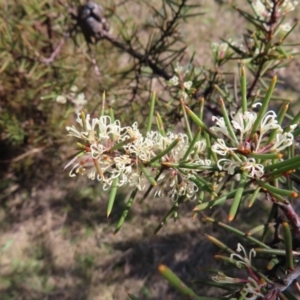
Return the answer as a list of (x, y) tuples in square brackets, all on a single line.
[(110, 151), (263, 8), (245, 144), (172, 182), (179, 80), (252, 285), (219, 49), (78, 99)]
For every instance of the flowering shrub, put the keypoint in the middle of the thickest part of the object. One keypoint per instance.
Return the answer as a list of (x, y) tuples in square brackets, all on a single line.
[(248, 153)]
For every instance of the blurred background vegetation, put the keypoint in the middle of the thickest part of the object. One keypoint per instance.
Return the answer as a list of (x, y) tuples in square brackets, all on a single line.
[(56, 242)]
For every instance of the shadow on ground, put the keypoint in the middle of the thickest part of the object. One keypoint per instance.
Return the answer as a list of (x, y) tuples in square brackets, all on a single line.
[(59, 244)]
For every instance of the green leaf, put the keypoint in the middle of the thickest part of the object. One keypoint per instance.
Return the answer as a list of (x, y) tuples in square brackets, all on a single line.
[(244, 89), (175, 281), (237, 232), (264, 107), (112, 196), (287, 237), (151, 112), (237, 197), (126, 210)]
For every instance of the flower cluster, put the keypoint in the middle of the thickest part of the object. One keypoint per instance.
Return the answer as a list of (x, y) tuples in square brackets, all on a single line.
[(179, 80), (220, 49), (263, 8), (251, 289), (78, 99), (176, 183), (110, 151), (243, 143)]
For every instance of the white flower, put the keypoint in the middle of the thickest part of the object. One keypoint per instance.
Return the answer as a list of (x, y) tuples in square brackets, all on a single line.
[(179, 150), (220, 147), (104, 123), (288, 6), (73, 92), (178, 69), (200, 146), (86, 122), (182, 70), (84, 164), (254, 169), (263, 8), (97, 150), (251, 290), (283, 140), (176, 185), (78, 163), (223, 47), (137, 180), (268, 122), (256, 104), (219, 49), (88, 129), (293, 127), (186, 188), (243, 260), (79, 102), (174, 80), (260, 9), (228, 165), (243, 122), (107, 182), (132, 132), (61, 99), (171, 180), (184, 95), (220, 126), (188, 85), (123, 163), (74, 89), (286, 27), (141, 148), (199, 152)]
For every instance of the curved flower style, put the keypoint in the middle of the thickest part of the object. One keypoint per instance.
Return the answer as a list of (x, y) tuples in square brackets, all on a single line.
[(243, 123), (254, 169), (251, 289), (220, 126), (220, 147), (228, 165), (243, 260)]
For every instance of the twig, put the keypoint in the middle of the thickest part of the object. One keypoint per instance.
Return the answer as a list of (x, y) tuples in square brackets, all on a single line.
[(141, 57), (56, 51), (286, 282)]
